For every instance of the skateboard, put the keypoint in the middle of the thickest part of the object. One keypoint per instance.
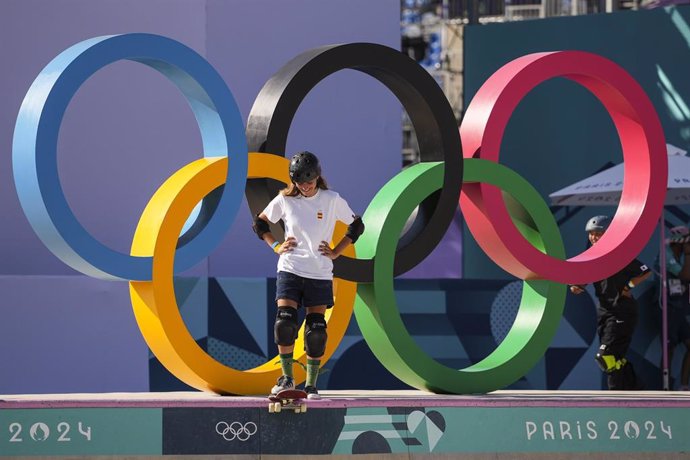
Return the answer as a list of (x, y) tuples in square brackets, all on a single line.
[(288, 399)]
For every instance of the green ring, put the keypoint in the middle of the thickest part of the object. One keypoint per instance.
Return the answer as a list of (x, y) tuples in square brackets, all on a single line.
[(541, 306)]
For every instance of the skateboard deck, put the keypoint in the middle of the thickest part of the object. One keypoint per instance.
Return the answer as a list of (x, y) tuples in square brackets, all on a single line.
[(294, 400)]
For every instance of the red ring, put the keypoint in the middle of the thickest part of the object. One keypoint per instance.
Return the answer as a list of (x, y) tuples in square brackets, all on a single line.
[(645, 169)]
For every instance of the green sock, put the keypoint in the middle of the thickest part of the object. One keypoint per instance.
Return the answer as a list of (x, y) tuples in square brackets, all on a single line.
[(312, 371), (286, 363)]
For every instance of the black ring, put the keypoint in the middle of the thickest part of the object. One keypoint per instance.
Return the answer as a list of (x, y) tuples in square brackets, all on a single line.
[(426, 105)]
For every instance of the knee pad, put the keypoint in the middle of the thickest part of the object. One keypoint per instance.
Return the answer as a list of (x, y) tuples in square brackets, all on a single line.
[(315, 335), (286, 326), (609, 363)]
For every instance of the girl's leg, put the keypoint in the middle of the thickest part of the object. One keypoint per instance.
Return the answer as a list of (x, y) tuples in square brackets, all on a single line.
[(285, 331), (315, 340)]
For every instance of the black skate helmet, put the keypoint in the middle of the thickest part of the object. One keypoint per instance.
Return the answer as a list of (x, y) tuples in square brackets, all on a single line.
[(598, 224), (304, 167)]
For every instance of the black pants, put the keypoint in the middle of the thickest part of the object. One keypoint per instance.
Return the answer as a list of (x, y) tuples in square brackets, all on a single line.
[(615, 327)]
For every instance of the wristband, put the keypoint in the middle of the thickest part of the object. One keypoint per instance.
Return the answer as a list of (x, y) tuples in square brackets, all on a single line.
[(275, 246)]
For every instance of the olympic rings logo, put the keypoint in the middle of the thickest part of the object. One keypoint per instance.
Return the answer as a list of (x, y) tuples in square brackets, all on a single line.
[(236, 430), (520, 235)]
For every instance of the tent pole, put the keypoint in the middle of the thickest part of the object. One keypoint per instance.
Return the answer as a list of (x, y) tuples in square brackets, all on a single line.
[(664, 305)]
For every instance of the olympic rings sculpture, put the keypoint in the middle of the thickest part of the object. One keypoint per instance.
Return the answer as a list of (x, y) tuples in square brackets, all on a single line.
[(519, 234)]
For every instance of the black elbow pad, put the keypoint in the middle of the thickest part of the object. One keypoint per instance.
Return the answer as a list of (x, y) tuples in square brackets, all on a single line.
[(355, 229), (260, 227)]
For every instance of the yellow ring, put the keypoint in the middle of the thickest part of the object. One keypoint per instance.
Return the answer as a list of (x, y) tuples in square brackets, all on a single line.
[(154, 303)]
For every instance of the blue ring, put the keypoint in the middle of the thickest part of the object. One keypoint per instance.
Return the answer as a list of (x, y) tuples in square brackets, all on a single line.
[(34, 149)]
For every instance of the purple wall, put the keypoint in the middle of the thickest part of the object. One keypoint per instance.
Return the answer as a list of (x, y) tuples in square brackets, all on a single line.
[(128, 129), (65, 334)]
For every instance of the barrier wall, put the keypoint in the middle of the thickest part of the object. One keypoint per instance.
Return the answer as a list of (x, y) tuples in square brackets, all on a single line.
[(74, 336), (457, 322), (503, 425)]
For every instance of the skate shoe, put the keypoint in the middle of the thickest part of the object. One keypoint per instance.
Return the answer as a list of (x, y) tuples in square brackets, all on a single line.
[(284, 383), (312, 392)]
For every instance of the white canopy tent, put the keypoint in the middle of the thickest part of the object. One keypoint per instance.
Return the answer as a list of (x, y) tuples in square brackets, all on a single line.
[(605, 187)]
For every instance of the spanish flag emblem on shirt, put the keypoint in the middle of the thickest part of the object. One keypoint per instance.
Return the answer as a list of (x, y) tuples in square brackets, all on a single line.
[(319, 215)]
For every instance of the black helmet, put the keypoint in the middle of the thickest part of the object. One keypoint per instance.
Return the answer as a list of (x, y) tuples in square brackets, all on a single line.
[(304, 167), (598, 224)]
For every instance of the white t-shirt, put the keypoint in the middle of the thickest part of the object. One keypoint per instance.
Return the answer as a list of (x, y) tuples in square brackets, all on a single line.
[(310, 220)]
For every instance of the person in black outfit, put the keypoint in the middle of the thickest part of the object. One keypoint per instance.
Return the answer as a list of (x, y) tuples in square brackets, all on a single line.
[(617, 314), (678, 300)]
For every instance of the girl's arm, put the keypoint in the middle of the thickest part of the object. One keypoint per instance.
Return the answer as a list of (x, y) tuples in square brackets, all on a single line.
[(270, 240)]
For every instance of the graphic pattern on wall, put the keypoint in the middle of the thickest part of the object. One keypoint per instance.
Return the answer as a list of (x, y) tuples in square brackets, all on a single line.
[(457, 322)]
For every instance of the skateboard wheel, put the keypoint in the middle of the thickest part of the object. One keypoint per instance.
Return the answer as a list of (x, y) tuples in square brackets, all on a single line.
[(271, 408), (303, 407), (277, 407)]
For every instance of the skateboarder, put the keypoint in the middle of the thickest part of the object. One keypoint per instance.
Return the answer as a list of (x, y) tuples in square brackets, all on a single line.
[(309, 211), (616, 314)]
